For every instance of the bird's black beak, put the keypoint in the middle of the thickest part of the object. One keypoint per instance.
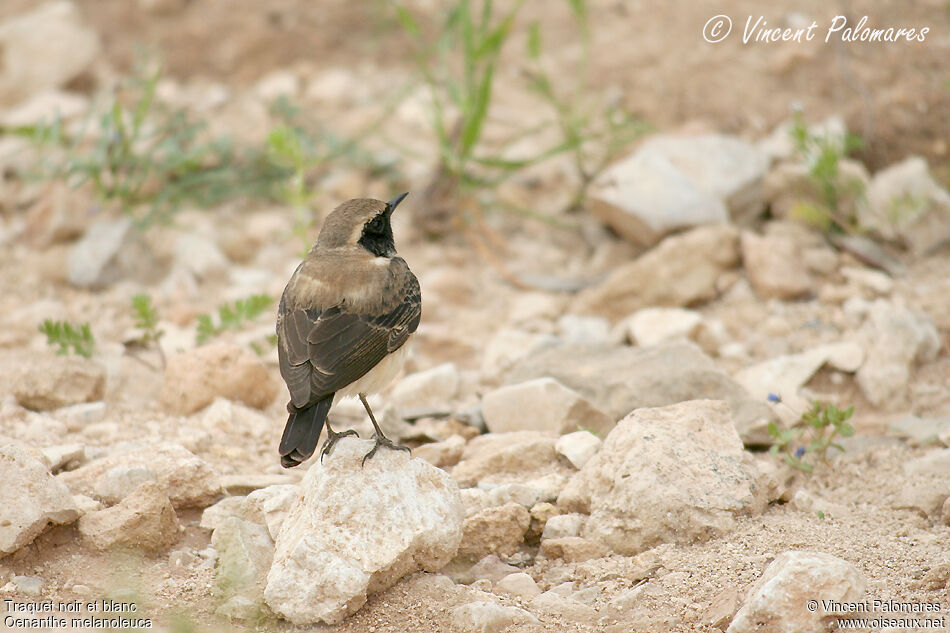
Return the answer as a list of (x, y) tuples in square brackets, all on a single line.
[(392, 204)]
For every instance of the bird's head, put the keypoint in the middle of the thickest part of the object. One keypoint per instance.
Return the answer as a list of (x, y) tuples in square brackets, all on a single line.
[(361, 222)]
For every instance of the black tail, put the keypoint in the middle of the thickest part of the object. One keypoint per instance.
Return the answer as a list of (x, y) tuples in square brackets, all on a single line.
[(302, 432)]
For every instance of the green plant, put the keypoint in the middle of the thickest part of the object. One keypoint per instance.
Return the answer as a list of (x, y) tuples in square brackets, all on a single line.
[(68, 336), (146, 319), (459, 69), (232, 316), (813, 435), (823, 156), (149, 160)]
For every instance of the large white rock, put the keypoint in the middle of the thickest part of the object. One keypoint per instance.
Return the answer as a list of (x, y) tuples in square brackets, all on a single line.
[(673, 182), (143, 520), (46, 381), (358, 528), (670, 474), (542, 404), (894, 337), (781, 600), (621, 379), (679, 271), (193, 379), (43, 49), (30, 499), (645, 196), (187, 479)]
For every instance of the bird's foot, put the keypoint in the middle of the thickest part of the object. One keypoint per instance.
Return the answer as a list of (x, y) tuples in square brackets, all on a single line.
[(382, 440), (332, 438)]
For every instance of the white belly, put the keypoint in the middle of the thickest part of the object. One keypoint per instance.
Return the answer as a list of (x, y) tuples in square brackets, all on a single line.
[(377, 378)]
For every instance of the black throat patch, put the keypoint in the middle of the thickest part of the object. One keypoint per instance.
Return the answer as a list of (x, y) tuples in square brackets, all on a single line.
[(377, 236)]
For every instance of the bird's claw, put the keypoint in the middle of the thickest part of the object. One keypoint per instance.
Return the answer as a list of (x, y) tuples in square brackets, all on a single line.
[(332, 438), (382, 440)]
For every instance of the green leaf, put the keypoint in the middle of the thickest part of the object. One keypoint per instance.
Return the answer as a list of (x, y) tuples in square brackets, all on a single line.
[(233, 316), (205, 329), (67, 336), (408, 22), (146, 319), (534, 40), (472, 127), (579, 9), (845, 429)]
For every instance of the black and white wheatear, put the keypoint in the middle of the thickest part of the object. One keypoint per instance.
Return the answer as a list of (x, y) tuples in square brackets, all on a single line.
[(343, 322)]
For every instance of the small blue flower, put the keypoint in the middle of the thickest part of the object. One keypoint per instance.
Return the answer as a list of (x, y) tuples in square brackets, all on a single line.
[(799, 451), (774, 397)]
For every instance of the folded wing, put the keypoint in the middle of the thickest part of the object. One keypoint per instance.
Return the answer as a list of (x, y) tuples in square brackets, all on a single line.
[(321, 352)]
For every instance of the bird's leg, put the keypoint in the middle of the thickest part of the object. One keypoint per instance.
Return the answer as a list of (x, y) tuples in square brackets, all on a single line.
[(332, 438), (381, 440)]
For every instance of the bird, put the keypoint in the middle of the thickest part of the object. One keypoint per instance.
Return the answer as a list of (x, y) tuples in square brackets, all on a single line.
[(343, 323)]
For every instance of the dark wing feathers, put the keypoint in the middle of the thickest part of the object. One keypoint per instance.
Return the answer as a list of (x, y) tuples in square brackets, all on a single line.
[(322, 352)]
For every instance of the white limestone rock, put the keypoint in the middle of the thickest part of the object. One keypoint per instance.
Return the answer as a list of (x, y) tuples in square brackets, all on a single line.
[(44, 49), (780, 600), (679, 271), (488, 617), (358, 528), (542, 404), (671, 474), (895, 337), (30, 499), (187, 479)]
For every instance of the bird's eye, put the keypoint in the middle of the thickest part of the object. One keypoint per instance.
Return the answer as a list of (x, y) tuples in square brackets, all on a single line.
[(376, 224)]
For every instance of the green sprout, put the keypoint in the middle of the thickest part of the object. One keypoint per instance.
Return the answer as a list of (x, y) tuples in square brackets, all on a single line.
[(68, 336), (146, 319), (148, 160), (823, 155), (232, 316)]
